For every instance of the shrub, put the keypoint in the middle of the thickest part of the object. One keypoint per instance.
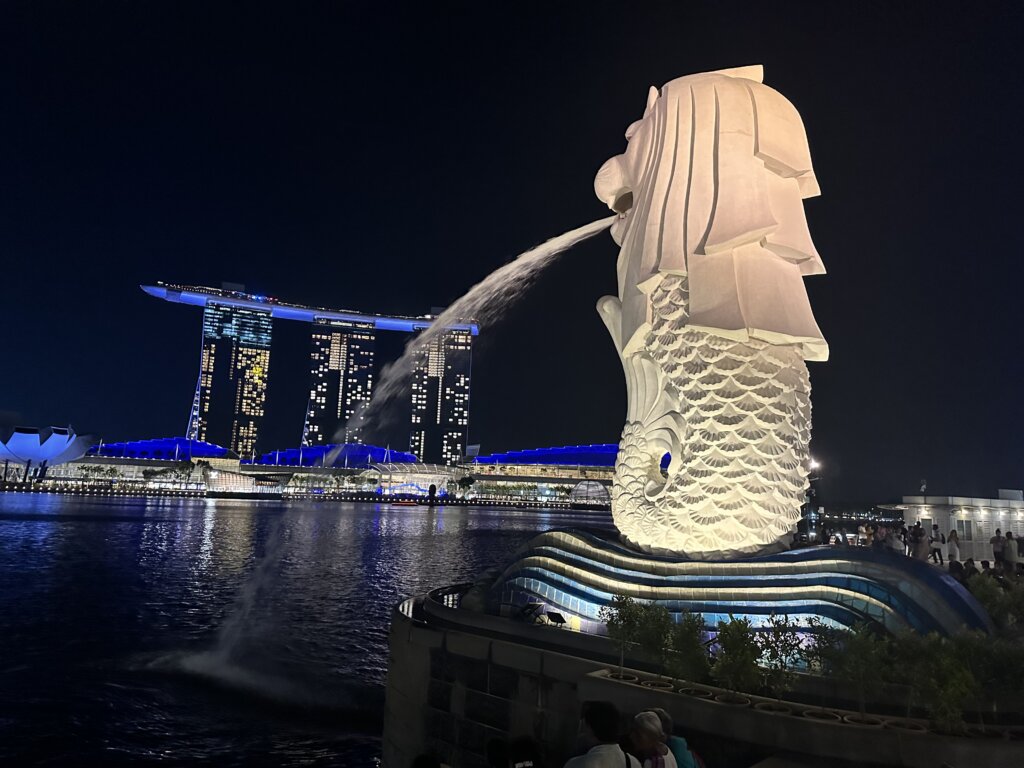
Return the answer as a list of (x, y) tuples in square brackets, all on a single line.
[(947, 685), (780, 647), (689, 657), (820, 651), (908, 664), (654, 633), (622, 618), (861, 660), (735, 666)]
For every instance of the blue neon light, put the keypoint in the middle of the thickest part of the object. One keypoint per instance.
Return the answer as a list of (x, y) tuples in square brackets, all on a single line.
[(338, 455), (197, 296), (599, 455), (165, 448)]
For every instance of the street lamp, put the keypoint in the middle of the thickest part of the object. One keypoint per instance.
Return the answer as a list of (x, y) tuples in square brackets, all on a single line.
[(811, 504)]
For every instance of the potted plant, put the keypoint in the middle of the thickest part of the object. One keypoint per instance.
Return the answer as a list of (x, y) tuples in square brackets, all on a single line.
[(997, 664), (622, 618), (908, 665), (688, 659), (861, 658), (948, 684), (819, 652), (654, 633), (735, 667), (780, 650)]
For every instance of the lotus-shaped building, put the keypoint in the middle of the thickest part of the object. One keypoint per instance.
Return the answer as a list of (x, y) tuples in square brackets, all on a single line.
[(46, 446)]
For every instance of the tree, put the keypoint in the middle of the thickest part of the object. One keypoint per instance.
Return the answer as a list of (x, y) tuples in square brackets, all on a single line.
[(948, 684), (654, 633), (860, 661), (465, 483), (908, 662), (820, 651), (689, 654), (780, 651), (735, 666), (622, 618), (996, 664)]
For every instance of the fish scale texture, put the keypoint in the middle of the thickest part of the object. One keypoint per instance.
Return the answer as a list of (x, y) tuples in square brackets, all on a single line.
[(739, 483)]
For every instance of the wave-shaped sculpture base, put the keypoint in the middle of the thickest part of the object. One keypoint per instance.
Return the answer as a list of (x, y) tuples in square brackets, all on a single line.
[(576, 573)]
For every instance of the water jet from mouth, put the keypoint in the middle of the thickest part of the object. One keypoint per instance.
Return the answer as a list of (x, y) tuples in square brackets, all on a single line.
[(483, 304)]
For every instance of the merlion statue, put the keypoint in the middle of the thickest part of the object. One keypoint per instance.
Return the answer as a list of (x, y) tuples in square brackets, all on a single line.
[(712, 321)]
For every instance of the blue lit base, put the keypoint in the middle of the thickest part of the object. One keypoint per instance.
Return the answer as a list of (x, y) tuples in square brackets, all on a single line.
[(576, 573)]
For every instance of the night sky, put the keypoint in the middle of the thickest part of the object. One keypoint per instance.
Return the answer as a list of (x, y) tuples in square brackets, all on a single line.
[(383, 158)]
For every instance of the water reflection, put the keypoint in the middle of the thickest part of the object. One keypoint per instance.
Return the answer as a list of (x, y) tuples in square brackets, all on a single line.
[(140, 629)]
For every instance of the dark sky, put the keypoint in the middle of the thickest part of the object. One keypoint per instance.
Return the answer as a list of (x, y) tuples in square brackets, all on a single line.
[(385, 158)]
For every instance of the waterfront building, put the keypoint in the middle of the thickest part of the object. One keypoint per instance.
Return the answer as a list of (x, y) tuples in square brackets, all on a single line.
[(440, 397), (230, 398), (579, 474), (341, 380), (171, 464), (30, 451)]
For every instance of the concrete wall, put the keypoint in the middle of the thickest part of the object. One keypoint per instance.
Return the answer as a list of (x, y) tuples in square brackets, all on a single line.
[(452, 692)]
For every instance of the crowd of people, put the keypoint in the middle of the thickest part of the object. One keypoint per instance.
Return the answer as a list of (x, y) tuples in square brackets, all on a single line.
[(917, 542), (648, 740)]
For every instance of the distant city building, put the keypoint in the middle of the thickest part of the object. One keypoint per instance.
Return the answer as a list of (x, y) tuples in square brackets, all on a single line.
[(32, 450), (440, 398), (230, 398), (341, 381), (580, 474)]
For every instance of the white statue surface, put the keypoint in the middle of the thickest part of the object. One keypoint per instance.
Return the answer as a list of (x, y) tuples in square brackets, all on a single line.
[(712, 320)]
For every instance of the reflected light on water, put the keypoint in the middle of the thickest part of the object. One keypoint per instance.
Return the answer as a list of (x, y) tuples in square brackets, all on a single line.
[(218, 629)]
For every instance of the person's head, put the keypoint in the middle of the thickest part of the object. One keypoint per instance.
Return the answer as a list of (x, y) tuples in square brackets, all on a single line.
[(667, 726), (998, 532), (601, 720), (984, 564), (647, 733), (956, 568)]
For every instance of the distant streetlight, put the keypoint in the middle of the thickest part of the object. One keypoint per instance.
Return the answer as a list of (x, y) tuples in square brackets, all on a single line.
[(814, 464)]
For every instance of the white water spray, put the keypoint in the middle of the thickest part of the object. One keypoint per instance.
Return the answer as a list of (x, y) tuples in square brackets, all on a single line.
[(484, 303), (223, 663)]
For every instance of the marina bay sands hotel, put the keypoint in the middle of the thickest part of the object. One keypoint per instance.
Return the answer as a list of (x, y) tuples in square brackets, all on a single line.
[(230, 397)]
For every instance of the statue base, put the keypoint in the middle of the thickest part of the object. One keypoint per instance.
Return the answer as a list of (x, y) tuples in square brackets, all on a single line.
[(574, 573)]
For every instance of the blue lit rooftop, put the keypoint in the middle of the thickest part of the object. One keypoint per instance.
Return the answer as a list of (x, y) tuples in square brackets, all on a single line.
[(339, 455), (598, 455), (199, 296), (163, 448)]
